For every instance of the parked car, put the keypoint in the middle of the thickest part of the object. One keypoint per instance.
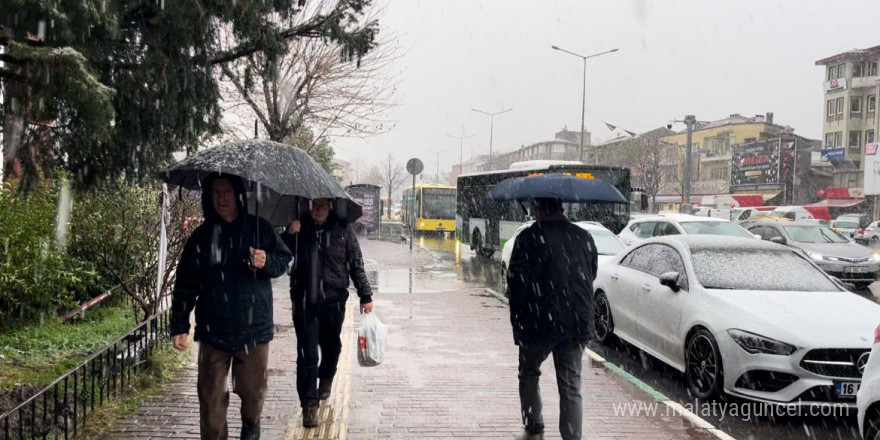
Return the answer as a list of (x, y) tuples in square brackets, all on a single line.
[(846, 226), (742, 214), (870, 235), (861, 219), (607, 245), (674, 224), (739, 316), (794, 213), (834, 253), (868, 398)]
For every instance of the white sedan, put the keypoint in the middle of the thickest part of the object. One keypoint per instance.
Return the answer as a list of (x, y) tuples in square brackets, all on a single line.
[(661, 225), (607, 245), (869, 393), (738, 316)]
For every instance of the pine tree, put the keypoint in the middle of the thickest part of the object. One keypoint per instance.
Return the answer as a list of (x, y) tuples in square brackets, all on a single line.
[(110, 88)]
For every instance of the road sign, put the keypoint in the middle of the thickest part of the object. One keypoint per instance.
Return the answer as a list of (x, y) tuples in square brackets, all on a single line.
[(414, 166)]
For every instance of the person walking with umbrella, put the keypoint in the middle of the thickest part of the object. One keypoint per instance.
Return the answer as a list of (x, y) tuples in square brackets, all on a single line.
[(225, 273), (552, 269), (328, 255)]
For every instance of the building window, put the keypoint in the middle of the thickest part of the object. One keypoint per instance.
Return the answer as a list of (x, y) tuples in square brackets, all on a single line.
[(871, 103), (719, 173), (829, 139), (829, 74), (840, 107), (838, 139), (872, 68), (858, 70), (829, 106), (841, 70), (854, 139), (855, 106), (869, 137)]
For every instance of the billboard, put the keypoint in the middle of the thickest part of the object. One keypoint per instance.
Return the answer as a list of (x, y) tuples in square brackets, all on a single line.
[(368, 197), (755, 163), (872, 170), (833, 154)]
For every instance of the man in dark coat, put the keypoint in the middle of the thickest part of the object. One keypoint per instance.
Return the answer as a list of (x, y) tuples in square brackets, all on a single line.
[(226, 273), (327, 255), (551, 275)]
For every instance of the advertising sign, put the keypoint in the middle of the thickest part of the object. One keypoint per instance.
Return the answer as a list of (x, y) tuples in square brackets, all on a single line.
[(872, 170), (368, 197), (755, 163), (835, 85), (833, 154)]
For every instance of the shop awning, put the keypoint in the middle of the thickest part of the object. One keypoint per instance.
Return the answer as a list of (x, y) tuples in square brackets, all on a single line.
[(838, 203)]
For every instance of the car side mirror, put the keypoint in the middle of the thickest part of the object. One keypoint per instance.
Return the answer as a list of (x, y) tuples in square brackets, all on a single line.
[(778, 240), (670, 280)]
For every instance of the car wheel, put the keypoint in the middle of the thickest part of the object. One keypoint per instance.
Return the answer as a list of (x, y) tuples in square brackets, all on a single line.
[(704, 372), (603, 323)]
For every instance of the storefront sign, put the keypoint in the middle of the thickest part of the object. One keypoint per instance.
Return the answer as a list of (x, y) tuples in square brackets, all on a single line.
[(755, 163)]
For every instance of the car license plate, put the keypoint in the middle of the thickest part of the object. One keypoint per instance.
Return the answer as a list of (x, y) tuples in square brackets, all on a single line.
[(846, 389), (856, 269)]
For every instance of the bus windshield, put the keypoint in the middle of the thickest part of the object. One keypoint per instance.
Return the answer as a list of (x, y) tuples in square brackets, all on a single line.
[(438, 203)]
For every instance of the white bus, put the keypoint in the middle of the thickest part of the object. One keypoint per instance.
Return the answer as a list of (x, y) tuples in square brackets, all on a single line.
[(486, 225)]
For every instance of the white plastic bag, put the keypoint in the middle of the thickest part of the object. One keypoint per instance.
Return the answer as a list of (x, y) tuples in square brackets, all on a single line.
[(372, 335)]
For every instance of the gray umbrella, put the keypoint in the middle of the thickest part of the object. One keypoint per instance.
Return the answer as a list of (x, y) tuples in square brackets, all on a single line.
[(278, 175)]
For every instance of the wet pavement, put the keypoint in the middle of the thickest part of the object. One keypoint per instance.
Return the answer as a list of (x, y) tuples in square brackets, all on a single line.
[(757, 424)]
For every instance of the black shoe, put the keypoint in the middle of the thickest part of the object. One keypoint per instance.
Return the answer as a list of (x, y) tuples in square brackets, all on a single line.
[(310, 416), (250, 431), (324, 388), (526, 435)]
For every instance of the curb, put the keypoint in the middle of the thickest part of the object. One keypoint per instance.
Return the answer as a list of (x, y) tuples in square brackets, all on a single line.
[(674, 406)]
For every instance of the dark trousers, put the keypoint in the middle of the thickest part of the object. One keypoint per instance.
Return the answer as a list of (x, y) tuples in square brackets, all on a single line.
[(249, 380), (316, 326), (567, 356)]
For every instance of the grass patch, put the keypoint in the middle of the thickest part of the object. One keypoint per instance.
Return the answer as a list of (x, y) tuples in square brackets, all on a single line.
[(39, 353), (161, 367)]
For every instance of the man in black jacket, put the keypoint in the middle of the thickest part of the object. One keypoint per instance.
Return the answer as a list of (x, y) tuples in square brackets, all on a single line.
[(327, 255), (552, 269), (225, 272)]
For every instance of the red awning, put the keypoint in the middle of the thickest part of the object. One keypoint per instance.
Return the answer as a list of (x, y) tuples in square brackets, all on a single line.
[(838, 203)]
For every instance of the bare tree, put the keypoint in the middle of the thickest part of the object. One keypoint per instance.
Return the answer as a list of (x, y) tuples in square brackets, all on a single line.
[(390, 175), (652, 162), (315, 85)]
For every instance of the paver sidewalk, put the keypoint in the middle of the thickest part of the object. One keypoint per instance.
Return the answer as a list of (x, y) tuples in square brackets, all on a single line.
[(449, 372)]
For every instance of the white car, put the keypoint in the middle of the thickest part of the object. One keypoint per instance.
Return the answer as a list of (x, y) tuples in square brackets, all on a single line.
[(607, 245), (739, 316), (868, 399), (678, 224)]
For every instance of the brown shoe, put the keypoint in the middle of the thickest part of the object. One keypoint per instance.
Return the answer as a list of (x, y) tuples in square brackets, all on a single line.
[(324, 388), (310, 416)]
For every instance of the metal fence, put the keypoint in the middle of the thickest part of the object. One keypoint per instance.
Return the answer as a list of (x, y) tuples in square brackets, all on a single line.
[(61, 409)]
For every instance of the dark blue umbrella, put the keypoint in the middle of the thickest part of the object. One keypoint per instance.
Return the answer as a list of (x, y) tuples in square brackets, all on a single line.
[(566, 188)]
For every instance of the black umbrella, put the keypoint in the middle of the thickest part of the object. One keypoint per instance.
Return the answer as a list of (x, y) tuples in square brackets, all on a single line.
[(278, 176), (563, 187)]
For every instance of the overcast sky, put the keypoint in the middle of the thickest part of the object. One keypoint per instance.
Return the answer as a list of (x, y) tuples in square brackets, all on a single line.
[(676, 57)]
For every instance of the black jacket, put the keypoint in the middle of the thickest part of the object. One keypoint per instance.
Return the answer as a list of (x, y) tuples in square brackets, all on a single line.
[(233, 301), (327, 256), (552, 269)]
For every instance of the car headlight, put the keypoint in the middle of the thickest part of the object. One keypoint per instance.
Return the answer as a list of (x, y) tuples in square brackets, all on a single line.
[(755, 344), (816, 255), (875, 258)]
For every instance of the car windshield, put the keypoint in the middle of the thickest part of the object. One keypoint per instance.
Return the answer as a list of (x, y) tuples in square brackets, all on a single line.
[(846, 225), (606, 242), (752, 269), (715, 228), (783, 214), (813, 234)]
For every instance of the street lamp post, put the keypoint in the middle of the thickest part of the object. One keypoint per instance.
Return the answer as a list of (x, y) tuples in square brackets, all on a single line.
[(584, 94), (437, 176), (491, 128), (689, 121), (460, 147)]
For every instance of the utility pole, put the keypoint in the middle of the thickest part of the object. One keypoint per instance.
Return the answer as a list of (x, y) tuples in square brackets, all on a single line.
[(491, 128), (584, 94), (437, 176), (690, 121), (460, 148)]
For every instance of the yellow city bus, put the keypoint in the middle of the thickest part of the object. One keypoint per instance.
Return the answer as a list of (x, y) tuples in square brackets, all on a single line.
[(430, 209)]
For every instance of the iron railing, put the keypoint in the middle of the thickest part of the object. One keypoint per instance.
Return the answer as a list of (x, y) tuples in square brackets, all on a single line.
[(61, 409)]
